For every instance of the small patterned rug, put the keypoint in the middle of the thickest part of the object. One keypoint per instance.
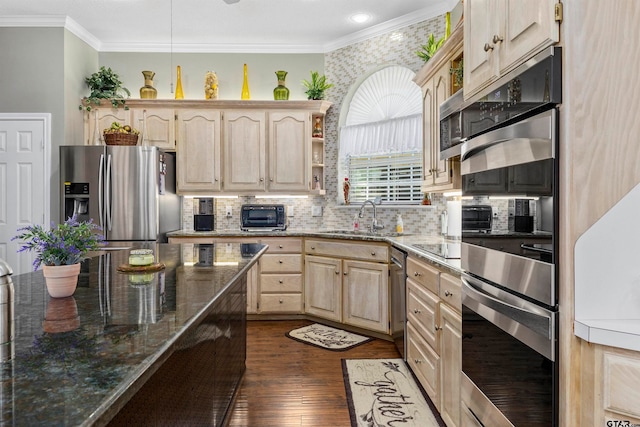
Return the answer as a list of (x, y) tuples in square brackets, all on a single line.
[(383, 393), (327, 337)]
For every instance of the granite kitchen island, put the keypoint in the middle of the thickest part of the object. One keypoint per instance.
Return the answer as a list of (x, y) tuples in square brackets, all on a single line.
[(79, 360)]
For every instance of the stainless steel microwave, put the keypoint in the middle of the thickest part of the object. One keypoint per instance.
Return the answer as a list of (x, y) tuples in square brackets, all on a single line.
[(263, 218), (451, 125)]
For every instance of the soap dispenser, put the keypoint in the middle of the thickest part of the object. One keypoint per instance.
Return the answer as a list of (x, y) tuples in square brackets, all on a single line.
[(399, 225)]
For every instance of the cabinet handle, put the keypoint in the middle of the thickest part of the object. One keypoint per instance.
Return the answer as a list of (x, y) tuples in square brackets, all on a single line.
[(280, 281), (261, 179), (496, 39), (488, 47), (416, 311), (313, 248), (448, 294), (280, 301), (344, 274), (280, 261), (417, 361), (215, 179), (438, 328), (280, 246), (373, 254), (271, 179), (417, 274), (337, 272)]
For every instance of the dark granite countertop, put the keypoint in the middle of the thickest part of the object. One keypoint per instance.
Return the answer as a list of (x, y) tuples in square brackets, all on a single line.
[(405, 241), (103, 343)]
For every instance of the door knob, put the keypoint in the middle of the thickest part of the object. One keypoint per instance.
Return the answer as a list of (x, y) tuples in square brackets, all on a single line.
[(488, 47), (496, 39)]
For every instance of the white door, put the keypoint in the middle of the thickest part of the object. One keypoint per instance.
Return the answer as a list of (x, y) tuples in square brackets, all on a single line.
[(24, 192)]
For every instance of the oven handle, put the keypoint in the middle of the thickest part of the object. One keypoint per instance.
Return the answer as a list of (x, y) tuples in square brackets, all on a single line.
[(511, 313), (526, 141)]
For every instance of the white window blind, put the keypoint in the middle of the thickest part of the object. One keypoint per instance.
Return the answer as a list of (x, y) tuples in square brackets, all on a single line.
[(394, 177)]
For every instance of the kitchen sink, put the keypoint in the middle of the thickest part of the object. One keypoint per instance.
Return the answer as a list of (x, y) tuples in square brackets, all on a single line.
[(364, 233)]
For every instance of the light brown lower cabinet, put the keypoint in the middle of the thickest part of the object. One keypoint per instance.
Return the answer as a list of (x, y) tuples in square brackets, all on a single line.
[(434, 335), (348, 282), (280, 284)]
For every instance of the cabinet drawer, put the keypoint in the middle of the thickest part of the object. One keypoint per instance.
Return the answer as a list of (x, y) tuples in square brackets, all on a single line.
[(422, 312), (283, 245), (450, 290), (281, 263), (341, 249), (425, 364), (424, 274), (281, 283), (280, 303)]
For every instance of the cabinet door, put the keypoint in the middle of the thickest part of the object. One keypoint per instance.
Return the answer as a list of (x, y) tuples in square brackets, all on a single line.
[(441, 90), (365, 300), (252, 289), (198, 155), (244, 151), (480, 25), (428, 115), (323, 287), (106, 116), (451, 367), (289, 148), (530, 26), (161, 126)]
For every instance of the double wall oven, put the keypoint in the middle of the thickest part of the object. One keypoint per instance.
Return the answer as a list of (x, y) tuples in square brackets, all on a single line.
[(510, 279)]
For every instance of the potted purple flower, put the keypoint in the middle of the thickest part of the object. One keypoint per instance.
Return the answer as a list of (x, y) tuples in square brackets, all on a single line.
[(60, 250)]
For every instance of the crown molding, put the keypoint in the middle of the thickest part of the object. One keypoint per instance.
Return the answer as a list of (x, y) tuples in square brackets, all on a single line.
[(389, 26), (51, 21), (72, 26), (211, 48)]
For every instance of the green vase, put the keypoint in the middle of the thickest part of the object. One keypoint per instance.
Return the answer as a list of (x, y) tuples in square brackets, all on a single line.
[(281, 92)]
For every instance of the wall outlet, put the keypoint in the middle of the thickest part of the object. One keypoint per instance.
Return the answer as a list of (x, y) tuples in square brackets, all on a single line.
[(290, 210), (316, 210), (229, 211)]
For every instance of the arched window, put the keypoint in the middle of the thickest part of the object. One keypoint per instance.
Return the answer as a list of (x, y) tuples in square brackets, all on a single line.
[(381, 137)]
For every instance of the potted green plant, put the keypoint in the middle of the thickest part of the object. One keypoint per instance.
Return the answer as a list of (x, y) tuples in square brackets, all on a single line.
[(59, 250), (105, 84), (317, 86), (429, 49)]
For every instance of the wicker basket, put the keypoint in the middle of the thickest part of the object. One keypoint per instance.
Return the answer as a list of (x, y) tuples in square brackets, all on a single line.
[(120, 139)]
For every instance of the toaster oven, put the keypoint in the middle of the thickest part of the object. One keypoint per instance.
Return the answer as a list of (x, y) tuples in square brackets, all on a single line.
[(263, 218)]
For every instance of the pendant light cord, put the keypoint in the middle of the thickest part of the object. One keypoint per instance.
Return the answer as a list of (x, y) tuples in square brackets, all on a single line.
[(171, 45)]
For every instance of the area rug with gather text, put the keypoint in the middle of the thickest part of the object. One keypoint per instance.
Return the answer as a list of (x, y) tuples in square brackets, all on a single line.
[(327, 337), (383, 393)]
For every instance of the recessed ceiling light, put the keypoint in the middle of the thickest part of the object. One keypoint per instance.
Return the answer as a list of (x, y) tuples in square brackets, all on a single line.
[(360, 17)]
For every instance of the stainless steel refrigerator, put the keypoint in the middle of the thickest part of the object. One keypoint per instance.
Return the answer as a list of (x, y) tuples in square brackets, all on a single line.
[(128, 190)]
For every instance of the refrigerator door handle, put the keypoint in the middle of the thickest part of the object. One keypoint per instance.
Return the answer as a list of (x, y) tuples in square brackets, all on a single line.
[(100, 181), (108, 192)]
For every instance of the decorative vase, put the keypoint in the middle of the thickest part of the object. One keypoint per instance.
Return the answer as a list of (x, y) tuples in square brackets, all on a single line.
[(148, 91), (61, 315), (210, 85), (245, 85), (179, 92), (346, 186), (281, 92), (317, 128), (61, 280)]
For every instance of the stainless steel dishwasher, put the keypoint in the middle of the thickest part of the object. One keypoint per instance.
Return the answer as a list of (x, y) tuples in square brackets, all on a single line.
[(398, 298)]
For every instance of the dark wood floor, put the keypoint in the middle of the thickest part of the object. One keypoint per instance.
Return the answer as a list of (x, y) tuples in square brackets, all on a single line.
[(288, 383)]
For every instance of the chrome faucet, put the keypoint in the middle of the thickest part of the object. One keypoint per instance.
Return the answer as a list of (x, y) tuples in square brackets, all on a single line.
[(374, 222)]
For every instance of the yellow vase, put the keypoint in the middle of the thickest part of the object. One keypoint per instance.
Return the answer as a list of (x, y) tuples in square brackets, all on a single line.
[(179, 92), (245, 85)]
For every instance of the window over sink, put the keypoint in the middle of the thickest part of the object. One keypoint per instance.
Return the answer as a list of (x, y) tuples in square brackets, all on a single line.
[(381, 137)]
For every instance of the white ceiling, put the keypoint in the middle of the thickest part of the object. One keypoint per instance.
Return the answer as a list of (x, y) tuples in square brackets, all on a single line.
[(309, 26)]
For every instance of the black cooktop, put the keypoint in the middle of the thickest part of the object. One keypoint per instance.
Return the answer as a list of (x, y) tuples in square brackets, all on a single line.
[(447, 250)]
